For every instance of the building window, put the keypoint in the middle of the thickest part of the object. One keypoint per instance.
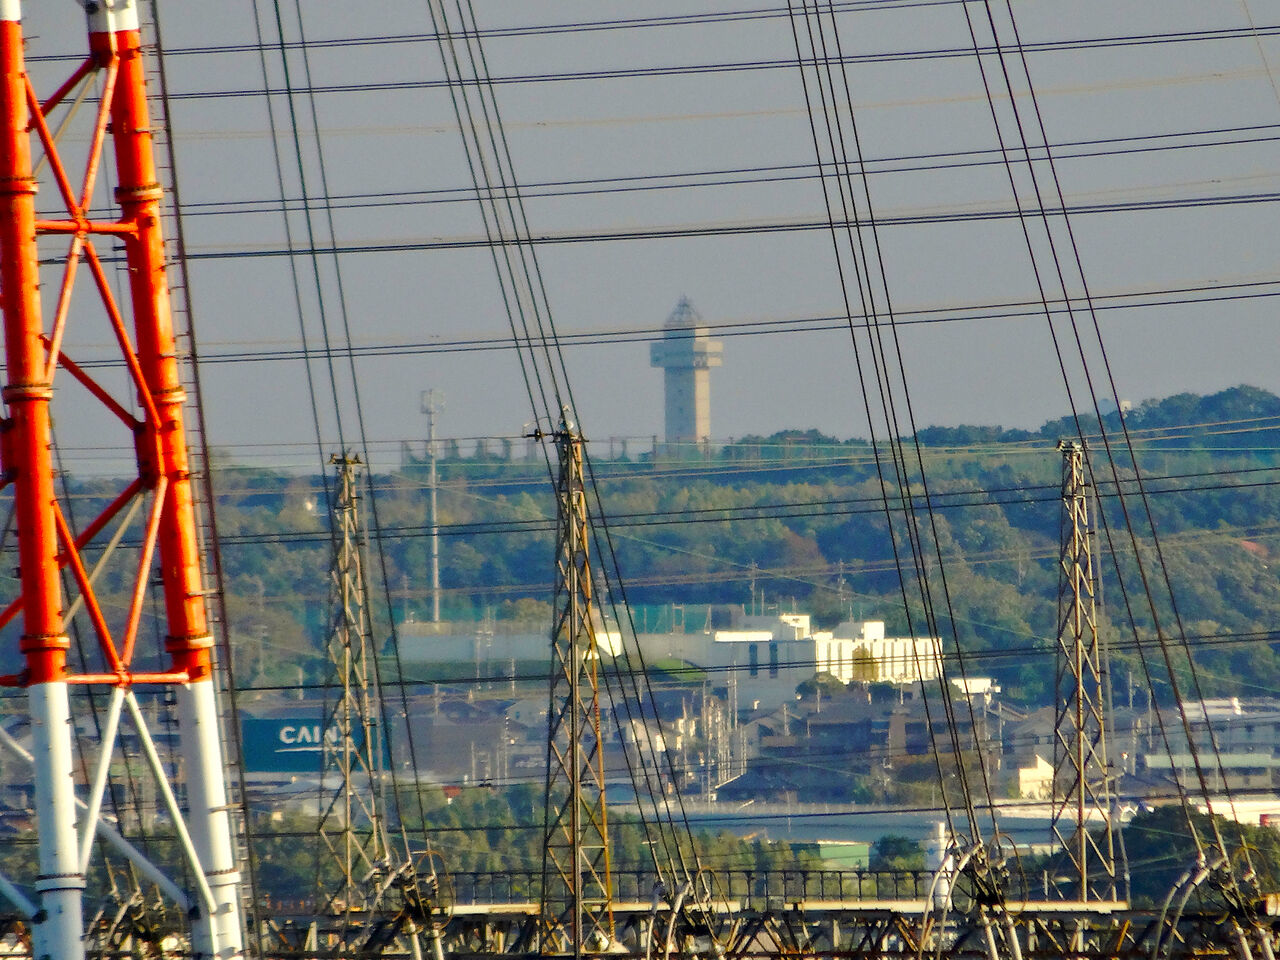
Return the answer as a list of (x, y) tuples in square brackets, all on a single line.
[(773, 659), (753, 660)]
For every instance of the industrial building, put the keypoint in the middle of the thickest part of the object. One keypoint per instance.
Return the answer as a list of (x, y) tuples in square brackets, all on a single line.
[(759, 661), (763, 658)]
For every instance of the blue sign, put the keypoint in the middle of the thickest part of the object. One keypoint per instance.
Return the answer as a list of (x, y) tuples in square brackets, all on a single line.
[(290, 744)]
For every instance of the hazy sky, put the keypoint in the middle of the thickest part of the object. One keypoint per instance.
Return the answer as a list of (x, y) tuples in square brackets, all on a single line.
[(393, 160)]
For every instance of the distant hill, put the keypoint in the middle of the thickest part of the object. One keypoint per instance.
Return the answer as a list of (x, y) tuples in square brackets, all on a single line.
[(802, 518), (1241, 417)]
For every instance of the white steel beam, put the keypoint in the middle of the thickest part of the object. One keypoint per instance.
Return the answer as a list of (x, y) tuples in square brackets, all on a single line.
[(114, 838), (59, 924), (209, 819)]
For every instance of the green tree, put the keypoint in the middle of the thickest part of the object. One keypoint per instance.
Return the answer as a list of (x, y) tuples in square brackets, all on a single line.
[(895, 852)]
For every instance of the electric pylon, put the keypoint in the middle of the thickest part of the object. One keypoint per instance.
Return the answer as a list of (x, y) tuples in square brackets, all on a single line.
[(361, 873), (153, 424), (577, 890), (352, 827), (1082, 792)]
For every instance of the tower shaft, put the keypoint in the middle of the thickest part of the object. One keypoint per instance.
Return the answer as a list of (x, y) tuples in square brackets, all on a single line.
[(686, 355), (687, 404)]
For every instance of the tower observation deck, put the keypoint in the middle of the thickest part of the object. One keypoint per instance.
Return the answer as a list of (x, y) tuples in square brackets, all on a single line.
[(687, 353)]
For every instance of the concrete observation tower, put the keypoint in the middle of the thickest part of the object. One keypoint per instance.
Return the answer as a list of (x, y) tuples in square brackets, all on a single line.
[(687, 354)]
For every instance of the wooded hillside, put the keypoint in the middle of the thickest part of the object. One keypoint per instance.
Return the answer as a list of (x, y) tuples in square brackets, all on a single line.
[(803, 516)]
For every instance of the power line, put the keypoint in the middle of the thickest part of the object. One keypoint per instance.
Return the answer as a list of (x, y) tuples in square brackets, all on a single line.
[(831, 507), (723, 67), (709, 229), (743, 176), (551, 29), (264, 351)]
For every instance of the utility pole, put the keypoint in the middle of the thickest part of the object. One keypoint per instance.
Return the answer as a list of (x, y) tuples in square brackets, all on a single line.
[(1081, 806), (577, 897), (433, 403)]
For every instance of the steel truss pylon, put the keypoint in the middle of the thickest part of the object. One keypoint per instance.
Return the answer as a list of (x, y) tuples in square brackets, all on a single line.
[(46, 544), (1081, 817), (373, 898), (577, 889), (352, 827)]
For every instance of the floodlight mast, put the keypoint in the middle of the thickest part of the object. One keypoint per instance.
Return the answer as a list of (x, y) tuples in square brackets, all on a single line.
[(45, 543)]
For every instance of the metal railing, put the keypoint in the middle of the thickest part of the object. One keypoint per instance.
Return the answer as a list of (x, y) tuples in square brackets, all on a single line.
[(748, 887)]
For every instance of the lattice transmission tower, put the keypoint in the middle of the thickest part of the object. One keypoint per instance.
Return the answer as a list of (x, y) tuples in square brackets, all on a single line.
[(352, 825), (1082, 789), (375, 898), (577, 890)]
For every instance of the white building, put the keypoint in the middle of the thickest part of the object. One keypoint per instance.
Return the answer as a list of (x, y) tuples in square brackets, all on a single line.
[(1240, 749), (1035, 782), (764, 658), (761, 660), (859, 650)]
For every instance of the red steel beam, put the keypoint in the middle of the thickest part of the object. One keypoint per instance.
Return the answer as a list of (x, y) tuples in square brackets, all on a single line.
[(57, 928), (139, 193), (28, 390)]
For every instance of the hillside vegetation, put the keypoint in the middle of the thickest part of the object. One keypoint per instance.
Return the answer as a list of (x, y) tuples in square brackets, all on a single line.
[(802, 516)]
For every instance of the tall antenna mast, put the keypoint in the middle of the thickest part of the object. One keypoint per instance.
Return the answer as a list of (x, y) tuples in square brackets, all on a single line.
[(151, 413), (577, 897), (1081, 814), (432, 404)]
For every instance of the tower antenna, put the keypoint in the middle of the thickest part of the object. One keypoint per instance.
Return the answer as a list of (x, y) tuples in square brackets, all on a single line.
[(432, 404)]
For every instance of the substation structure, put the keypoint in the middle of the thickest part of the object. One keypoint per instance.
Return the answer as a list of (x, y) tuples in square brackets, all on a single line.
[(817, 926)]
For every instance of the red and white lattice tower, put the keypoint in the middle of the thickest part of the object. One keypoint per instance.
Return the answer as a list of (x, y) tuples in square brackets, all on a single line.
[(153, 418)]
